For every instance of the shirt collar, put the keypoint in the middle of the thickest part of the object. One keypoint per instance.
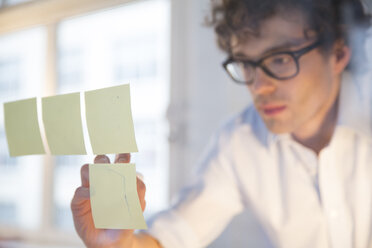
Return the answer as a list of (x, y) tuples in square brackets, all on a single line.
[(354, 110)]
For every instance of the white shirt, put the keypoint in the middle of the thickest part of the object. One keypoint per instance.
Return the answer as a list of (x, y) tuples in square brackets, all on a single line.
[(301, 199)]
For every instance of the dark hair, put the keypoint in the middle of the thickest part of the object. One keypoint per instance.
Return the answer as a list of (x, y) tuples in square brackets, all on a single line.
[(332, 20)]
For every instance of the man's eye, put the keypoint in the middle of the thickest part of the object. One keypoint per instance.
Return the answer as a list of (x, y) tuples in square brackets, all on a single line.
[(280, 60), (246, 65)]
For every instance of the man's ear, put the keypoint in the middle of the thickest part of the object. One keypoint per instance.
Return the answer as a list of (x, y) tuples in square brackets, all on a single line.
[(341, 56)]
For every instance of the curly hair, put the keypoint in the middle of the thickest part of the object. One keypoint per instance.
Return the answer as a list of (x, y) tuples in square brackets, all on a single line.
[(331, 19)]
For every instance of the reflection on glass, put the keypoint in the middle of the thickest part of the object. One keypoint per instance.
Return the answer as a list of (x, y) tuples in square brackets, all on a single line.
[(129, 44), (21, 76)]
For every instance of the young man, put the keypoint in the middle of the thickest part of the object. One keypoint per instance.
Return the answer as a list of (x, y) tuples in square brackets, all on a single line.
[(300, 158)]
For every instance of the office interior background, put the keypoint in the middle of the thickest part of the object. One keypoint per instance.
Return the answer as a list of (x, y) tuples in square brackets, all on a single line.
[(171, 60)]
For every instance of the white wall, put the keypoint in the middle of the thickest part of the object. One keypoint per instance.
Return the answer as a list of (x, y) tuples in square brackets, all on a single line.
[(202, 98)]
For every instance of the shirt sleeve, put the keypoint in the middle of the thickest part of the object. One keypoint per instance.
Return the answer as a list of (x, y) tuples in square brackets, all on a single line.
[(204, 208)]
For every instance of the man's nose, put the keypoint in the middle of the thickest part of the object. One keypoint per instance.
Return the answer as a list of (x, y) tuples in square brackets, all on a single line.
[(262, 84)]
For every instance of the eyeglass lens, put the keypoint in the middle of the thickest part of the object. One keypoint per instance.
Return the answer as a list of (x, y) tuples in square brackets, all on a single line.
[(279, 65)]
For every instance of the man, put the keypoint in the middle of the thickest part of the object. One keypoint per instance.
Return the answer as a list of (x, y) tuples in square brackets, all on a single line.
[(300, 158)]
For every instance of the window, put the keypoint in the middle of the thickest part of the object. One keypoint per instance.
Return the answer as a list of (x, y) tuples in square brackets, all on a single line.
[(21, 73), (126, 44)]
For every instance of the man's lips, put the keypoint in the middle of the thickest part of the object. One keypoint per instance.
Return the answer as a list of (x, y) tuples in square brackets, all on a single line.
[(273, 109)]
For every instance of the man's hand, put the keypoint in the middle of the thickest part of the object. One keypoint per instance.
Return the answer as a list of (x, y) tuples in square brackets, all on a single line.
[(82, 212)]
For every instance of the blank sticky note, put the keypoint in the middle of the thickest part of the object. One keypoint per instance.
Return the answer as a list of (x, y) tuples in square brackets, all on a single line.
[(109, 120), (22, 128), (62, 123), (114, 198)]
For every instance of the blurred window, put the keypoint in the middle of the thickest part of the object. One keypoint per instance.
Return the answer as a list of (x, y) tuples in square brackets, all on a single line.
[(21, 73), (126, 44)]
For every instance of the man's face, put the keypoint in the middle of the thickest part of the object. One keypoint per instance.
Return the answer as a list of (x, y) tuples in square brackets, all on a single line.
[(287, 106)]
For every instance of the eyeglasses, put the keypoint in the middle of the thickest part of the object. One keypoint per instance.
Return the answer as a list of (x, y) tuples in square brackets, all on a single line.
[(280, 65)]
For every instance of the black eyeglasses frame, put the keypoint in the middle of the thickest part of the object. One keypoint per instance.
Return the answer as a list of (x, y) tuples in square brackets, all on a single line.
[(294, 54)]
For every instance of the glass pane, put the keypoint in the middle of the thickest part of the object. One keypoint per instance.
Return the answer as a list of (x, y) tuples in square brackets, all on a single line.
[(114, 47), (22, 62)]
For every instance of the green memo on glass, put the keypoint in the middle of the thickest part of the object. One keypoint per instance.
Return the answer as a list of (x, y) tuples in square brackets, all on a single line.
[(22, 128), (109, 120), (62, 123), (108, 116), (114, 198)]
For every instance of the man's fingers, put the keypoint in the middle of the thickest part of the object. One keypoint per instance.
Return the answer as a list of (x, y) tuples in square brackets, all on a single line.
[(101, 159), (84, 171), (141, 190), (82, 194), (84, 175), (122, 158)]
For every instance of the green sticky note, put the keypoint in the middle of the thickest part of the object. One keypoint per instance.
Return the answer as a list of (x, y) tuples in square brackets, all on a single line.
[(22, 128), (114, 198), (109, 120), (62, 123)]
